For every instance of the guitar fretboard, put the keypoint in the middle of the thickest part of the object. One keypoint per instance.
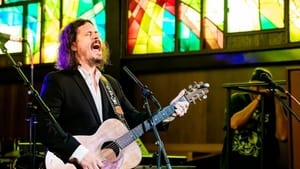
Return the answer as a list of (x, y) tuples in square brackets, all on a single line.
[(148, 124)]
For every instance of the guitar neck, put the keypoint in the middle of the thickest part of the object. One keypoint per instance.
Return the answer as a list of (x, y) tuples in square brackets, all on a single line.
[(198, 91), (148, 124)]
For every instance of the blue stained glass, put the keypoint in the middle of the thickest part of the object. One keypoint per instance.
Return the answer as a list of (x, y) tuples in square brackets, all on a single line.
[(11, 16), (100, 22), (11, 21), (169, 23), (13, 1)]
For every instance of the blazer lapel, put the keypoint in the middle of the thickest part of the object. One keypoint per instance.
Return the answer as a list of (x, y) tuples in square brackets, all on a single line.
[(87, 94)]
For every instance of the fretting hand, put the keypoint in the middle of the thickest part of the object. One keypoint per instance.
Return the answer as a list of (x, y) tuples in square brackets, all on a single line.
[(181, 106)]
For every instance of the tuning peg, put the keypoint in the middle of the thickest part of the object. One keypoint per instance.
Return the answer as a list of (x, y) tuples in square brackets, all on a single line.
[(193, 100), (201, 85)]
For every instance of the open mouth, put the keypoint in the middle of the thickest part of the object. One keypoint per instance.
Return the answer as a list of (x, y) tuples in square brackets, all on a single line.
[(96, 45)]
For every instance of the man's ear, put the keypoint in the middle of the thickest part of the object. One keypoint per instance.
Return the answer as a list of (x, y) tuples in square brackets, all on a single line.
[(74, 46)]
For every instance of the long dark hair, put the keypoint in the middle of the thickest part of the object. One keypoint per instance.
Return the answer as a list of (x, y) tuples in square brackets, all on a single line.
[(66, 57)]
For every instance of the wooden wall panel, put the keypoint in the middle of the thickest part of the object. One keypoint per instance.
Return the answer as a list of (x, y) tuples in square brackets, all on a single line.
[(166, 86), (13, 111), (294, 136)]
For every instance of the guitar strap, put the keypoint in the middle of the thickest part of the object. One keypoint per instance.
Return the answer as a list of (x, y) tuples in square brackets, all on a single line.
[(113, 99), (118, 109)]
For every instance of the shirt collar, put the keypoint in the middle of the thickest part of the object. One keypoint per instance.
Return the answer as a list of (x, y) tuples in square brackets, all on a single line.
[(87, 74)]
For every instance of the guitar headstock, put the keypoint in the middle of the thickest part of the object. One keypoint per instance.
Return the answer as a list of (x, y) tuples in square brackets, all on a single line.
[(198, 90)]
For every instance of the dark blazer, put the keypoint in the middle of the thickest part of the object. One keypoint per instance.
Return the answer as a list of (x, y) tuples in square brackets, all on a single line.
[(67, 95)]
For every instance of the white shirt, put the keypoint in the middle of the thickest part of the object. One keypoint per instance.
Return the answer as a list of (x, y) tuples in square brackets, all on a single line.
[(93, 85)]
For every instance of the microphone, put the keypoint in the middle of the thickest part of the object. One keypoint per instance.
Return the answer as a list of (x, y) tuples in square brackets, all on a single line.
[(145, 91), (5, 37), (266, 78)]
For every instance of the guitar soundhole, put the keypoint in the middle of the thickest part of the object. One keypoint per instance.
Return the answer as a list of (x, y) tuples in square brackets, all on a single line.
[(111, 146)]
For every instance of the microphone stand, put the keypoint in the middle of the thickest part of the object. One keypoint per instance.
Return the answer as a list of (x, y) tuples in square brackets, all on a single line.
[(36, 96), (148, 94), (32, 120), (286, 106)]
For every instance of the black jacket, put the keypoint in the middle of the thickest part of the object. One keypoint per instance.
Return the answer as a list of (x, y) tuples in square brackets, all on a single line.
[(71, 103)]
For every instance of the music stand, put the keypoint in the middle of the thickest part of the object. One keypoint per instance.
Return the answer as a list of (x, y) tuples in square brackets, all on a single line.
[(243, 86)]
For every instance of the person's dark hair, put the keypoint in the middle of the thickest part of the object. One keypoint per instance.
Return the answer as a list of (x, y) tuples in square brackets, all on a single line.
[(257, 74), (66, 57)]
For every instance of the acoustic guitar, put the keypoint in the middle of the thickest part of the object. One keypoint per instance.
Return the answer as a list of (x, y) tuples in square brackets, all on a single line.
[(116, 145)]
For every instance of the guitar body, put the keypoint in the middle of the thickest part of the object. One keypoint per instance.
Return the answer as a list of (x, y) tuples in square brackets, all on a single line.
[(102, 143)]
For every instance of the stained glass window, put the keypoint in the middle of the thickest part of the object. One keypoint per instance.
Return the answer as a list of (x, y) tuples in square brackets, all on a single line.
[(73, 9), (33, 31), (12, 22), (200, 23), (151, 26), (196, 26), (51, 28), (294, 22), (154, 26), (213, 24), (43, 36), (255, 15), (189, 25)]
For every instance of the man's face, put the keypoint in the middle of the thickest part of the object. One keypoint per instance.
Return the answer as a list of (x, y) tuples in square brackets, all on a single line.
[(87, 45)]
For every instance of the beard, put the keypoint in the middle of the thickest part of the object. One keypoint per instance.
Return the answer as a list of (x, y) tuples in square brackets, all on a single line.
[(94, 61)]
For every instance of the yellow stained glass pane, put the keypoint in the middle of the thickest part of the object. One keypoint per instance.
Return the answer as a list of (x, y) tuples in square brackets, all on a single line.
[(294, 25), (51, 31)]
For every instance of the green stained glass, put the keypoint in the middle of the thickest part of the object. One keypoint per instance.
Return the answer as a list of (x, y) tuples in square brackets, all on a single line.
[(194, 4), (33, 32), (83, 6), (189, 28), (88, 9), (266, 23), (168, 44), (188, 40)]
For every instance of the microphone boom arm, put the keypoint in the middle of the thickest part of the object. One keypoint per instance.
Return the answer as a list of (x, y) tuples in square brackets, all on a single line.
[(145, 90)]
